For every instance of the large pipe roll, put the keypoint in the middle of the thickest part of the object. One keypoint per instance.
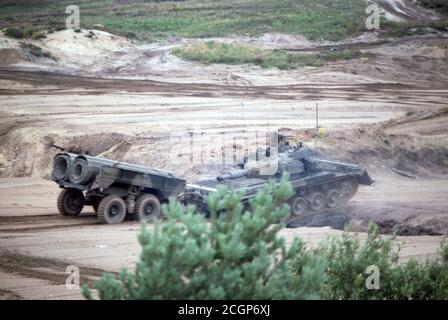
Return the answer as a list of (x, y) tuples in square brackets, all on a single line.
[(84, 168), (81, 171), (61, 165)]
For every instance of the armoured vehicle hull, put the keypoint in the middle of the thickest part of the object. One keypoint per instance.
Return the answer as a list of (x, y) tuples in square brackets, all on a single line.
[(319, 185)]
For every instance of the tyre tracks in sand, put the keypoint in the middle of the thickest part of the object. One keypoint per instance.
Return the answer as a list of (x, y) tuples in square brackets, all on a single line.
[(59, 83)]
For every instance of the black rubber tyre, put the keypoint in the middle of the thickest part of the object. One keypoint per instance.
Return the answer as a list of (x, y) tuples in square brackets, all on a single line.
[(317, 201), (334, 198), (70, 202), (112, 209), (147, 207), (299, 206)]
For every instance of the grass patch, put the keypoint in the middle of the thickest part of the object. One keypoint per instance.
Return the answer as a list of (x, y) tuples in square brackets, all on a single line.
[(323, 19), (214, 52), (155, 20)]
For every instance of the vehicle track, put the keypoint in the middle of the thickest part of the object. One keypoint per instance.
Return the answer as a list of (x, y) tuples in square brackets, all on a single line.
[(52, 270), (18, 224), (25, 276), (372, 92), (366, 45)]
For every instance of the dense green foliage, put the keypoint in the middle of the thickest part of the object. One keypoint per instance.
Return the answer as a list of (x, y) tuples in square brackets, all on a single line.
[(215, 52), (241, 256), (345, 260)]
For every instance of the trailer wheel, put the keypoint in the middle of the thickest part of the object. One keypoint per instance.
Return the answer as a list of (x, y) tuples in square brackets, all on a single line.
[(147, 207), (70, 202), (298, 206), (317, 201), (111, 209)]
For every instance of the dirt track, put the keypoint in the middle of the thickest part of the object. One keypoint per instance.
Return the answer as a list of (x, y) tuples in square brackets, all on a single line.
[(37, 244)]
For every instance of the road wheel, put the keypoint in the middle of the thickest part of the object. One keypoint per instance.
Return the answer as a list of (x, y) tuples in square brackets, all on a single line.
[(70, 202), (111, 209), (147, 207), (333, 198), (317, 201), (298, 206)]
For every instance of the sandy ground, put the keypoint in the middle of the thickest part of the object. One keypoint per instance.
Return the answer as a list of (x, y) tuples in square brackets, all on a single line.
[(126, 101), (37, 244)]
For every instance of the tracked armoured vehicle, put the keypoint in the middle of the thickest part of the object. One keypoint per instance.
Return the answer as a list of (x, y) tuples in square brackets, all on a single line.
[(319, 185), (114, 189)]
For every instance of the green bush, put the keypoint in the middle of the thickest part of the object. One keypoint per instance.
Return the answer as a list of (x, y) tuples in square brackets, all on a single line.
[(14, 33), (239, 255), (235, 256), (36, 50), (345, 261)]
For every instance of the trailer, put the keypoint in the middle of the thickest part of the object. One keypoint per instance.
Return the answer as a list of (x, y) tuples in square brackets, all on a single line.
[(114, 189)]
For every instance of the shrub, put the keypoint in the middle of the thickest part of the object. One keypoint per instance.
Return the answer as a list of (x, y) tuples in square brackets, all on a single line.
[(36, 35), (14, 33), (236, 256), (35, 50), (345, 261)]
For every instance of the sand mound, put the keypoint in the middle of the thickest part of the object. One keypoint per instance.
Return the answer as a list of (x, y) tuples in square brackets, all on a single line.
[(84, 46), (9, 56)]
